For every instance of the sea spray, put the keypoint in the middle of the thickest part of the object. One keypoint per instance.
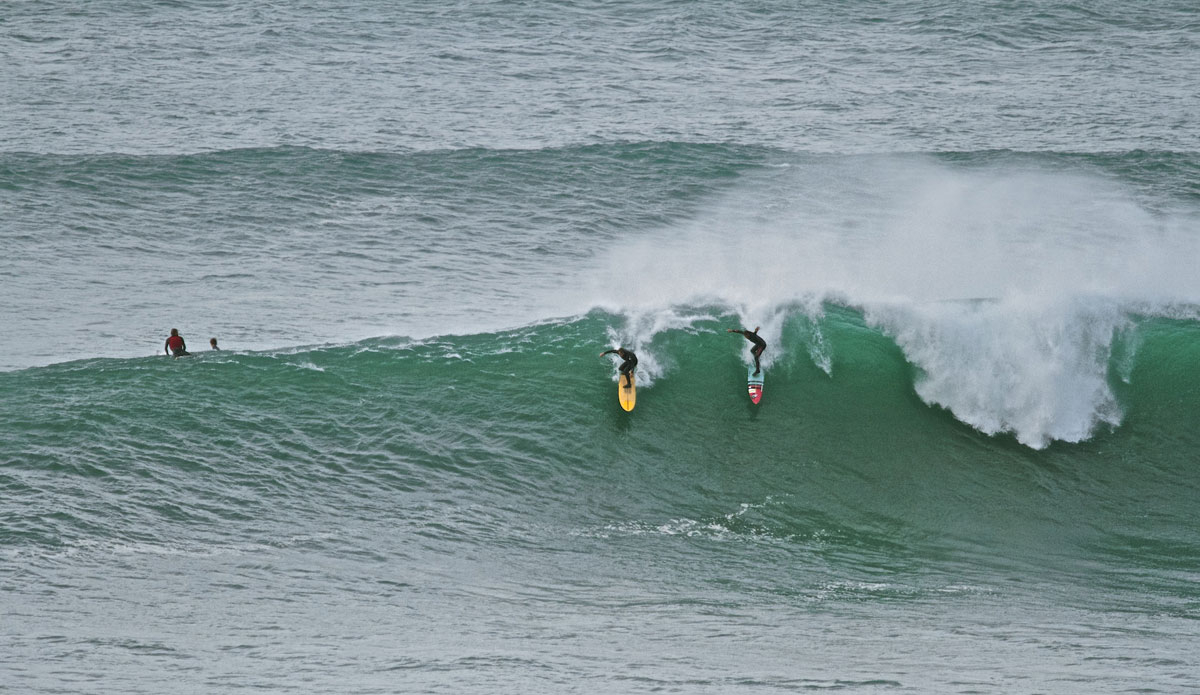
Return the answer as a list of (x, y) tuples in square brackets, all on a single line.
[(1016, 365), (1004, 282)]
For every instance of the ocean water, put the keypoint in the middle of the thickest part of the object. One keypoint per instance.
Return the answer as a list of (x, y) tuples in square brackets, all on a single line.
[(969, 233)]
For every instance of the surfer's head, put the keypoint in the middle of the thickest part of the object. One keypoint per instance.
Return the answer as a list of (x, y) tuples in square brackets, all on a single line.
[(174, 331)]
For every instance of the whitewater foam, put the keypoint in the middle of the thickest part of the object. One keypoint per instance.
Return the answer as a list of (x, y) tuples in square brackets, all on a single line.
[(1022, 365), (1005, 285)]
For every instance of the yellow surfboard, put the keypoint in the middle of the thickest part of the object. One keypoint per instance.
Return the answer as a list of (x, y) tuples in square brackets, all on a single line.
[(627, 394)]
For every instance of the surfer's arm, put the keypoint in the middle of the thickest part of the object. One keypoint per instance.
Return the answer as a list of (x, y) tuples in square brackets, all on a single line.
[(607, 352)]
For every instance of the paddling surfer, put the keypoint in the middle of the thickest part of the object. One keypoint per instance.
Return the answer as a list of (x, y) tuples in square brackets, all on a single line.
[(759, 344), (627, 366)]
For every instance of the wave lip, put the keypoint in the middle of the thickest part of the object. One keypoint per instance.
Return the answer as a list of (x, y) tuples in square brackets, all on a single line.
[(1036, 370)]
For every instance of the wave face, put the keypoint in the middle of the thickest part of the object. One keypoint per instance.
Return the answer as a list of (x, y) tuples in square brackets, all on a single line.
[(531, 412)]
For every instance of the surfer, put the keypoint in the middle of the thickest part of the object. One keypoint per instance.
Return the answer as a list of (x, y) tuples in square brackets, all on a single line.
[(175, 345), (627, 366), (759, 344), (212, 343)]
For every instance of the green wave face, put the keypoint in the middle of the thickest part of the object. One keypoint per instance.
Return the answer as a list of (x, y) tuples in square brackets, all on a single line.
[(841, 457)]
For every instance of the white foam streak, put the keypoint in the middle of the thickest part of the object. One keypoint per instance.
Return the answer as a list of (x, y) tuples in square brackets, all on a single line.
[(1036, 370), (639, 330)]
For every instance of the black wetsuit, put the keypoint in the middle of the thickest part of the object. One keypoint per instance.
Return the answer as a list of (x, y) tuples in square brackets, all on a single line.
[(628, 365), (757, 350)]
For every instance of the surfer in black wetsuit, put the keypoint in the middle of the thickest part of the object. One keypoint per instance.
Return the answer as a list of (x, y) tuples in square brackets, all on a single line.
[(627, 366), (759, 344)]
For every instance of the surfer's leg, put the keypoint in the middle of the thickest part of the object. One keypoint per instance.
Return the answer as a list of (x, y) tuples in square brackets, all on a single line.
[(627, 370)]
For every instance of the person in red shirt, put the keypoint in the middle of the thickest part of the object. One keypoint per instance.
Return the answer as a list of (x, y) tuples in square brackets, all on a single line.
[(175, 345)]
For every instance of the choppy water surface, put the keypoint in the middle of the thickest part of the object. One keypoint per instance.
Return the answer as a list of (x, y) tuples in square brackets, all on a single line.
[(968, 232)]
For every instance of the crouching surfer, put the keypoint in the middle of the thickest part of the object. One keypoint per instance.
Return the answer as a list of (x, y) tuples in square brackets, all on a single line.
[(759, 344), (627, 366)]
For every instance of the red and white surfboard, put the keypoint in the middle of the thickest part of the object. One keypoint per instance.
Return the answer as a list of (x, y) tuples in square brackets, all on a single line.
[(754, 384)]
